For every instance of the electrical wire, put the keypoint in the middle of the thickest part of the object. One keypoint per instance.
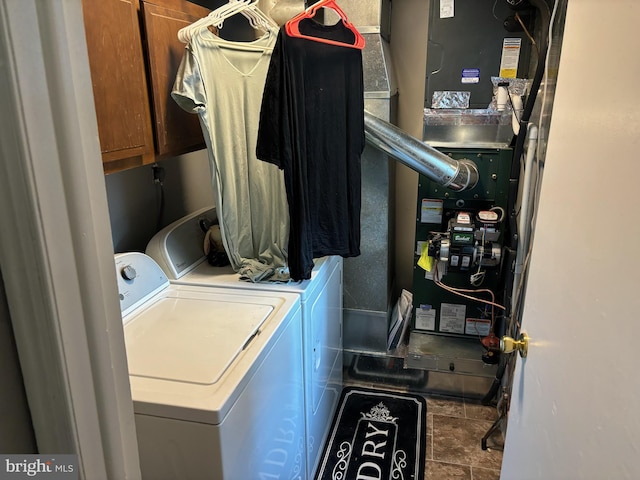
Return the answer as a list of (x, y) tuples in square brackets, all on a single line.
[(158, 180), (493, 10), (526, 32), (462, 292), (458, 291), (499, 209), (546, 72), (483, 315), (477, 279), (160, 207)]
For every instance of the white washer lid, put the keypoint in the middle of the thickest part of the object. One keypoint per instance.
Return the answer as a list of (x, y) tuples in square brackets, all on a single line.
[(168, 383), (190, 340)]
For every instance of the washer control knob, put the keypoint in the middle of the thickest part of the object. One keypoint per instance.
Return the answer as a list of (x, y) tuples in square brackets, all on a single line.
[(128, 272)]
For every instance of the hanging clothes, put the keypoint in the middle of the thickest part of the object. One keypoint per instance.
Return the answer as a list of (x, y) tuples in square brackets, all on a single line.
[(312, 127), (222, 81)]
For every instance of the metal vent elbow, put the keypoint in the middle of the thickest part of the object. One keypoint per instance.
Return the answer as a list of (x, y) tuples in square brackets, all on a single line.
[(454, 174)]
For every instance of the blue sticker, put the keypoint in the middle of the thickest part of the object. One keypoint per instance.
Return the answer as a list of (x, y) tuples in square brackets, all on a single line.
[(470, 75)]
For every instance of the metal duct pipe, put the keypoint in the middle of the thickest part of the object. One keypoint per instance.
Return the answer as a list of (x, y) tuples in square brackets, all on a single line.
[(454, 174)]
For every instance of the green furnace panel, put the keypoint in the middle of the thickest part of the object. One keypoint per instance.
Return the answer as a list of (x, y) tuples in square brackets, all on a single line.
[(436, 310)]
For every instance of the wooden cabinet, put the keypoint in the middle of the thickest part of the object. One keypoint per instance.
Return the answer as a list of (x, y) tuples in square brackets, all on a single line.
[(134, 54), (176, 131), (119, 82)]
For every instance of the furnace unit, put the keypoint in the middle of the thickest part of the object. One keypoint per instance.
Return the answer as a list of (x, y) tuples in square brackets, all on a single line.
[(459, 272)]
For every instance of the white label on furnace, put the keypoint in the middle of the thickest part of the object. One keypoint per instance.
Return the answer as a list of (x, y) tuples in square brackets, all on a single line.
[(510, 57), (488, 215), (446, 8), (476, 326), (428, 275), (452, 317), (425, 319), (441, 270), (463, 218), (431, 211)]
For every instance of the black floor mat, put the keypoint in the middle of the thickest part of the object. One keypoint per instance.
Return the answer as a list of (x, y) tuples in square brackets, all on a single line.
[(376, 435)]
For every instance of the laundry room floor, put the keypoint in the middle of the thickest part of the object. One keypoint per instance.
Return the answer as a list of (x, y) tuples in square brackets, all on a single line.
[(455, 427)]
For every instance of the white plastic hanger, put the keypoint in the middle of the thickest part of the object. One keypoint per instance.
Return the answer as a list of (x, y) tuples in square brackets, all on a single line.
[(215, 18), (248, 8)]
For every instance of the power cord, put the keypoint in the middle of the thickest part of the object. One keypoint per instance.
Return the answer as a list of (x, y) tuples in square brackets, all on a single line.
[(477, 278), (158, 180)]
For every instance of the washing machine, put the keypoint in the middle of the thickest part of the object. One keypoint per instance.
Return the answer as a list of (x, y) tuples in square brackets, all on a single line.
[(178, 249), (216, 377)]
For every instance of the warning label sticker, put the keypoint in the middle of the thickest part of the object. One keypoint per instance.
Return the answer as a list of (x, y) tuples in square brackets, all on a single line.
[(477, 326), (510, 57), (431, 211)]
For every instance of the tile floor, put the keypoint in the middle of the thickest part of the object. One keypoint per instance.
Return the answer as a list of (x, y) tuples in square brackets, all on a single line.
[(455, 427)]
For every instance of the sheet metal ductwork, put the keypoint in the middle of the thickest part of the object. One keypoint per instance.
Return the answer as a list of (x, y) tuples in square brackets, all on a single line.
[(454, 174), (369, 278)]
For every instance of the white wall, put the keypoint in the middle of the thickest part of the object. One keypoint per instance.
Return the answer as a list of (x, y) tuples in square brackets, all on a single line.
[(134, 198)]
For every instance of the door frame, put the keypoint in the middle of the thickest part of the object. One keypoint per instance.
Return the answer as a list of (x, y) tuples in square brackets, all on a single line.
[(56, 252)]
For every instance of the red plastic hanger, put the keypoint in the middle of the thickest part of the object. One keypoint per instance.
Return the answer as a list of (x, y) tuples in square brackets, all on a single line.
[(293, 29)]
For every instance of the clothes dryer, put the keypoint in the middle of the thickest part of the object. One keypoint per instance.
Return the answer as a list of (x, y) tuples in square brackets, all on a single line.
[(216, 377), (178, 249)]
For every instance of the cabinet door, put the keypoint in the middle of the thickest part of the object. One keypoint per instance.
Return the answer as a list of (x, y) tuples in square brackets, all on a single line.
[(176, 131), (119, 82)]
